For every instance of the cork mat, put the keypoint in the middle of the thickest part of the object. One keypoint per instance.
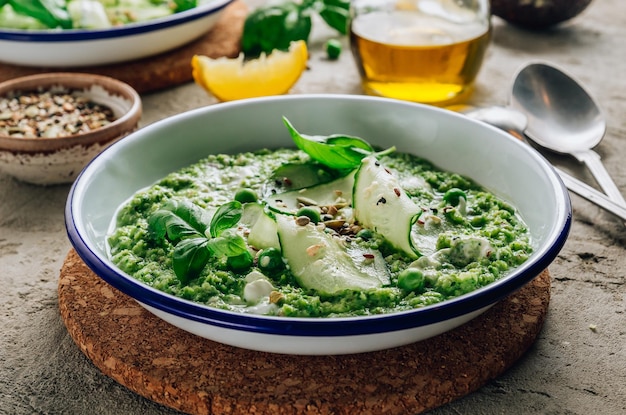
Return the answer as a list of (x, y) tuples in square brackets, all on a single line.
[(167, 69), (199, 376)]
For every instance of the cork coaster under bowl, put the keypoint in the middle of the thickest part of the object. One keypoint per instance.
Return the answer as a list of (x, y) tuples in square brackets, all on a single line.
[(199, 376), (166, 69)]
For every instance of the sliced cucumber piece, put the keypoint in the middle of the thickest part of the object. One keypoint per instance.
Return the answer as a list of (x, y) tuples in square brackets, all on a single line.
[(301, 175), (320, 262), (381, 204), (262, 227), (88, 14), (128, 13), (370, 262), (425, 232), (321, 195)]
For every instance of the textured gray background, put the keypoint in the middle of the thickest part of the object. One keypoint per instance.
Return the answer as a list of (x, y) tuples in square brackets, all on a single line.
[(570, 370)]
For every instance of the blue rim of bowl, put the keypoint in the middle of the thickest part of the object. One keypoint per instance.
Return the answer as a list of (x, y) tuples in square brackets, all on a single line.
[(77, 35), (324, 327)]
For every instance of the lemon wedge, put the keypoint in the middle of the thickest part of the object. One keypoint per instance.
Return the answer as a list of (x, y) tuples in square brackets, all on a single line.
[(229, 79)]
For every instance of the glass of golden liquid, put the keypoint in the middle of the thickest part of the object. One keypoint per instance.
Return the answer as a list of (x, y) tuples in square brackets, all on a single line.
[(427, 51)]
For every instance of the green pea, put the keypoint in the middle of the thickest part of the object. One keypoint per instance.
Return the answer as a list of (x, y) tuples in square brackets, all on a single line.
[(270, 259), (411, 279), (240, 262), (454, 216), (333, 49), (246, 196), (311, 212), (364, 234), (454, 195), (478, 221)]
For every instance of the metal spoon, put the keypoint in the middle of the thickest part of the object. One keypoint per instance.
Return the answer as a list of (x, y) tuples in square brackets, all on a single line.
[(514, 123), (562, 117)]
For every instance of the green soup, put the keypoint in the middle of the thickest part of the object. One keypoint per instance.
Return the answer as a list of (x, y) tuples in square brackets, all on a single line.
[(394, 234)]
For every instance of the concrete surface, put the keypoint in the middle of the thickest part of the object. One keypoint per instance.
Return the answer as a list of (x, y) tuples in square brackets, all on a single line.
[(578, 364)]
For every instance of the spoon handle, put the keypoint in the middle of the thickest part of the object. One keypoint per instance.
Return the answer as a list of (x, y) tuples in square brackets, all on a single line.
[(591, 194), (593, 162)]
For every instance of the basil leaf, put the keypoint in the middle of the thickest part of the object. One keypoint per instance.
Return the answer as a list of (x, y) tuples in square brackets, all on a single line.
[(275, 26), (225, 217), (190, 257), (182, 5), (157, 223), (335, 151), (177, 220), (336, 17), (241, 262), (52, 13), (192, 214), (229, 244), (178, 229), (343, 4)]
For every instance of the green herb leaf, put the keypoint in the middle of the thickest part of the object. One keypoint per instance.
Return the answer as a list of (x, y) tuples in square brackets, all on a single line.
[(157, 223), (335, 151), (226, 217), (178, 220), (241, 262), (190, 257), (182, 5), (52, 13), (184, 224), (343, 4), (275, 26), (229, 244), (336, 17)]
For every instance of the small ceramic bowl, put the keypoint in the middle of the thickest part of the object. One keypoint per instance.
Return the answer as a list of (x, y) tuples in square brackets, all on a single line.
[(74, 48), (504, 165), (59, 159)]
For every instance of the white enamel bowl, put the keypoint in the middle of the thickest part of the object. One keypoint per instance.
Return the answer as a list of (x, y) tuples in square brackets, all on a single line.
[(84, 47), (504, 165)]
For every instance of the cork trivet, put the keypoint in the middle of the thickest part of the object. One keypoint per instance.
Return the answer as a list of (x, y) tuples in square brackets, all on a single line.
[(167, 69), (199, 376)]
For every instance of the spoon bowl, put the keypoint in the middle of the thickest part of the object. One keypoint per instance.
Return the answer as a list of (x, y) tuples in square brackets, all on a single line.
[(514, 123), (563, 117)]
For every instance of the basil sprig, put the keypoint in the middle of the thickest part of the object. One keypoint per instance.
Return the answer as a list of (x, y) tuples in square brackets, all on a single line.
[(341, 152), (276, 24), (335, 13), (195, 240), (52, 13)]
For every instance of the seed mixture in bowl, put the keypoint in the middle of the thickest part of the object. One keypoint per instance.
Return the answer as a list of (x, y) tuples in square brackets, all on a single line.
[(51, 113)]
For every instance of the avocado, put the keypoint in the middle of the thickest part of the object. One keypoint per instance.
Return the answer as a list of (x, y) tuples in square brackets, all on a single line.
[(537, 14)]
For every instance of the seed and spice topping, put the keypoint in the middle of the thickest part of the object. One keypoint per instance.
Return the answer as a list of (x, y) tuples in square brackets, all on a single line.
[(51, 114)]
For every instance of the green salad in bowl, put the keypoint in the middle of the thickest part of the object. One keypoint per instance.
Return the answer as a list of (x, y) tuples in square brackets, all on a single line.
[(86, 14), (85, 33)]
